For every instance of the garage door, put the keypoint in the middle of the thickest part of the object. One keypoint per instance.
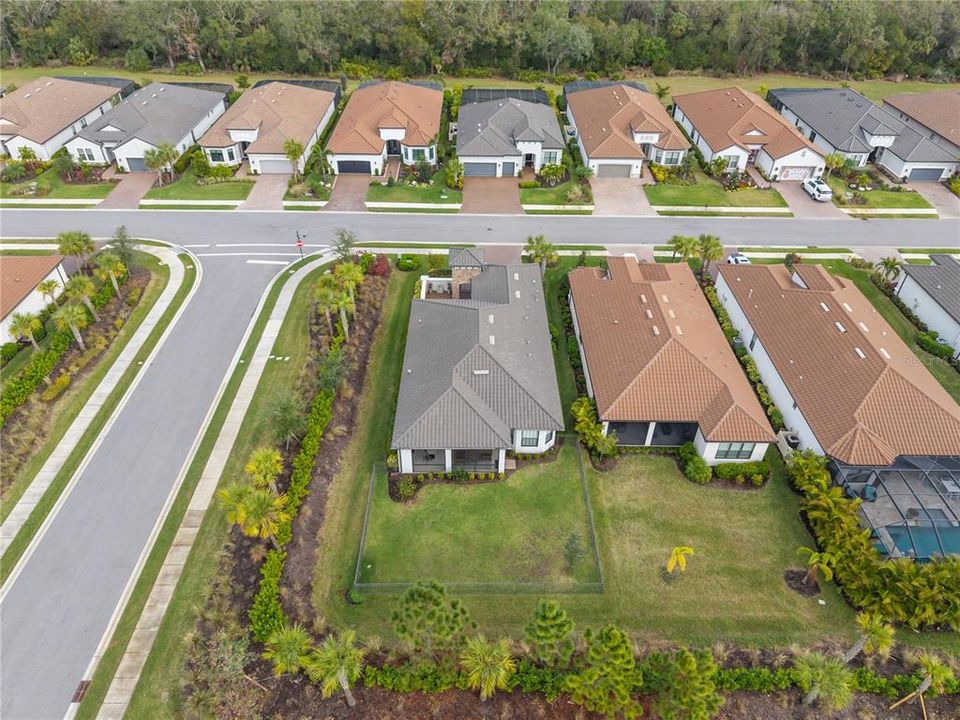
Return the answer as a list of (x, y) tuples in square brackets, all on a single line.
[(795, 173), (276, 167), (476, 169), (136, 164), (509, 169), (353, 166), (609, 170), (925, 174)]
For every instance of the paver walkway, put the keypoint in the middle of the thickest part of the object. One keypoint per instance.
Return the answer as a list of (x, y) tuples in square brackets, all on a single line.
[(54, 464), (128, 194), (131, 665), (267, 193)]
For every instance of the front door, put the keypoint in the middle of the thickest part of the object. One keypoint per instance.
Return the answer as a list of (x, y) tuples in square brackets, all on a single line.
[(528, 160), (393, 147)]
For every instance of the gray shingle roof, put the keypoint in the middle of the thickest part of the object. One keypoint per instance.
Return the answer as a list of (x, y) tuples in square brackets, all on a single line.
[(493, 128), (842, 117), (465, 257), (159, 113), (460, 390), (941, 281)]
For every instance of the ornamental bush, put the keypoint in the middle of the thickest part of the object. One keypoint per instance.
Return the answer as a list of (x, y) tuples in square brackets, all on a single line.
[(733, 471), (408, 262), (697, 470)]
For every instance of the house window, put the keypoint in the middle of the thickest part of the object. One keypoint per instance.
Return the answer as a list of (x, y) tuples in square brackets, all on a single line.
[(529, 438), (230, 156), (550, 157), (432, 156), (85, 154), (753, 341), (732, 161), (657, 155), (418, 154), (216, 156), (83, 123), (735, 451), (671, 158)]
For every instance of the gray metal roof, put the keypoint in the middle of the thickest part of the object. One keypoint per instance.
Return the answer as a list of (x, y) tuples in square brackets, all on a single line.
[(468, 382), (494, 128), (941, 281), (159, 113), (843, 116), (465, 257), (124, 85)]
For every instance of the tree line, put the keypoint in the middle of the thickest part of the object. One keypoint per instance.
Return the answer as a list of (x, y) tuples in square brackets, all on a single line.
[(852, 38)]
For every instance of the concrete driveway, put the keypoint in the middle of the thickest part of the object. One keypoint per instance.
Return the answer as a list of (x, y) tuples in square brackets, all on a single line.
[(349, 192), (129, 192), (804, 206), (946, 203), (619, 196), (267, 193), (491, 195)]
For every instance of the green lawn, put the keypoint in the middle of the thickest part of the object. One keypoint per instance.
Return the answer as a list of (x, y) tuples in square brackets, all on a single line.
[(436, 192), (550, 195), (186, 188), (878, 198), (708, 191), (512, 531), (59, 190)]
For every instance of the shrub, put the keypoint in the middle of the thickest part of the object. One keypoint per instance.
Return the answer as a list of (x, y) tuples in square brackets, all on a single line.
[(133, 296), (381, 266), (459, 475), (408, 261), (17, 389), (8, 351), (928, 341), (266, 614), (136, 60), (661, 68), (14, 171), (733, 471), (56, 388), (696, 470), (528, 184), (406, 487), (686, 452), (189, 68)]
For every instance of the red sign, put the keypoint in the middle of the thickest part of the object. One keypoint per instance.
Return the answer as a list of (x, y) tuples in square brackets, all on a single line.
[(299, 243)]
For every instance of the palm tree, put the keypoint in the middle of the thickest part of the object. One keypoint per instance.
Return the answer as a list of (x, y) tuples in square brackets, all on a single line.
[(348, 275), (343, 304), (263, 467), (661, 91), (233, 498), (540, 251), (48, 288), (75, 318), (24, 325), (326, 294), (834, 161), (678, 558), (293, 150), (889, 267), (489, 665), (684, 246), (821, 562), (263, 513), (824, 679), (935, 673), (711, 249), (76, 243), (81, 288), (335, 664), (109, 267), (160, 158), (876, 636), (288, 649)]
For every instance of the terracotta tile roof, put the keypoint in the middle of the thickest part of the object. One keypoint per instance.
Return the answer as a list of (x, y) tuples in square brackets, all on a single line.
[(862, 391), (280, 111), (19, 275), (733, 116), (655, 352), (42, 108), (413, 108), (938, 110), (607, 116)]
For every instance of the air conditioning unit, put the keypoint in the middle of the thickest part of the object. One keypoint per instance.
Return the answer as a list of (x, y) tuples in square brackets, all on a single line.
[(452, 131)]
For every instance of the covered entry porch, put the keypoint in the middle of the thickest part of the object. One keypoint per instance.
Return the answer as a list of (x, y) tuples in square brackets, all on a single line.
[(447, 460), (662, 434)]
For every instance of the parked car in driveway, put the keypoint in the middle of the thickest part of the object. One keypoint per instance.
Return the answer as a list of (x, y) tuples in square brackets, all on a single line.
[(817, 189), (738, 259)]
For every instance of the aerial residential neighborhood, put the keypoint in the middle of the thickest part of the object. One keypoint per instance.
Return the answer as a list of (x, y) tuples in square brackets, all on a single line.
[(576, 360)]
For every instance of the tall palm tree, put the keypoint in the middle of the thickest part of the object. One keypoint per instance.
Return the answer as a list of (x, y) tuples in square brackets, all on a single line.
[(684, 246), (263, 466), (711, 249), (75, 318), (288, 649), (489, 665), (293, 150), (109, 267), (78, 244), (24, 325), (159, 159), (824, 679), (326, 294), (889, 267), (876, 636), (48, 288), (678, 558), (817, 562), (935, 673), (348, 275), (541, 251), (344, 305), (263, 513), (80, 288), (336, 664)]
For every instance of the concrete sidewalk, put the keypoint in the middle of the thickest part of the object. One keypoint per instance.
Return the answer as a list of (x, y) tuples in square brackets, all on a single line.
[(138, 649), (51, 468)]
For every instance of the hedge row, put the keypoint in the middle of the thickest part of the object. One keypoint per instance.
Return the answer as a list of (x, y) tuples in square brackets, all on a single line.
[(926, 338)]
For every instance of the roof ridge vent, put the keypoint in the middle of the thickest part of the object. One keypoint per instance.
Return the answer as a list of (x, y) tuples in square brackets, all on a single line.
[(840, 327)]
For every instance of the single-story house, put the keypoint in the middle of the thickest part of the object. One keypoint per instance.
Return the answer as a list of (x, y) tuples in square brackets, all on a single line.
[(478, 375), (842, 120), (933, 293), (386, 120), (256, 126), (658, 365), (934, 114), (19, 277), (738, 126), (619, 126), (847, 385), (159, 113), (498, 138), (45, 113)]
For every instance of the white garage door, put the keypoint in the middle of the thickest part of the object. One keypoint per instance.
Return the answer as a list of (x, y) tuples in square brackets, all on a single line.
[(795, 173), (276, 167), (610, 170)]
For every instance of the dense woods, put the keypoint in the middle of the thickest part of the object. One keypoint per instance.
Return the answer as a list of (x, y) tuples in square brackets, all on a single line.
[(851, 38)]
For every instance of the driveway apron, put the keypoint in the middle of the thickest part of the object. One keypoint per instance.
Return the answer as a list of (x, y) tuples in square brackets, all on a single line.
[(127, 195), (267, 193), (491, 195), (349, 192), (804, 206), (619, 196)]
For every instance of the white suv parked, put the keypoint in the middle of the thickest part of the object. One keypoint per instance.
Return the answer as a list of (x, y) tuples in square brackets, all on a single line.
[(817, 189)]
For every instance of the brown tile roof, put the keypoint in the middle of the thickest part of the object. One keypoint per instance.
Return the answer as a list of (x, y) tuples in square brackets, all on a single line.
[(866, 407), (19, 275), (414, 108), (607, 116), (281, 112), (42, 108), (655, 351), (728, 116), (938, 110)]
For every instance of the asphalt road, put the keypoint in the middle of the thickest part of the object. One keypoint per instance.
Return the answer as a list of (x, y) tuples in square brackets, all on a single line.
[(56, 610)]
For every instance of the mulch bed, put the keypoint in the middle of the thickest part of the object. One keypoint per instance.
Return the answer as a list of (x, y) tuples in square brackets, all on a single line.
[(798, 581)]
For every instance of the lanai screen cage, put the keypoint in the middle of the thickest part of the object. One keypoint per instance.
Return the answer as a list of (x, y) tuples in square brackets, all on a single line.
[(912, 507)]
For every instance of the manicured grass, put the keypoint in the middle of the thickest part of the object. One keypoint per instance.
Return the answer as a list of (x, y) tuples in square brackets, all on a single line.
[(931, 251), (188, 207), (436, 192), (428, 211), (58, 189), (748, 249), (707, 192), (551, 195), (26, 252), (515, 529), (424, 246), (694, 213), (186, 188), (877, 198)]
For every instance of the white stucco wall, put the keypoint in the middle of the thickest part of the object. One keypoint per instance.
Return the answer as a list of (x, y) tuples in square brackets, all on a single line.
[(708, 451), (237, 155), (929, 310), (545, 441), (583, 357), (99, 152), (899, 168), (801, 158), (45, 150), (32, 303)]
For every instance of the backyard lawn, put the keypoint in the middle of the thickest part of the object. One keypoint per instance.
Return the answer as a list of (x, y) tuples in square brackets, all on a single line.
[(58, 188), (435, 192), (551, 195), (708, 191), (877, 198), (186, 188)]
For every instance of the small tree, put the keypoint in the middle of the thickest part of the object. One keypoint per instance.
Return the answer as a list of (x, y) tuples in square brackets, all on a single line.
[(77, 244), (711, 250), (294, 151), (80, 288), (348, 276), (286, 418), (263, 467), (110, 267), (257, 512), (551, 634), (833, 162), (678, 558), (606, 682), (344, 244), (63, 164), (817, 562), (242, 81), (661, 91), (573, 550), (825, 680), (889, 268), (428, 620), (684, 246), (336, 664), (552, 175), (688, 685), (344, 305), (288, 649), (488, 665), (24, 325), (123, 247), (540, 251), (875, 636), (48, 288), (935, 672), (159, 159), (325, 293), (75, 318)]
